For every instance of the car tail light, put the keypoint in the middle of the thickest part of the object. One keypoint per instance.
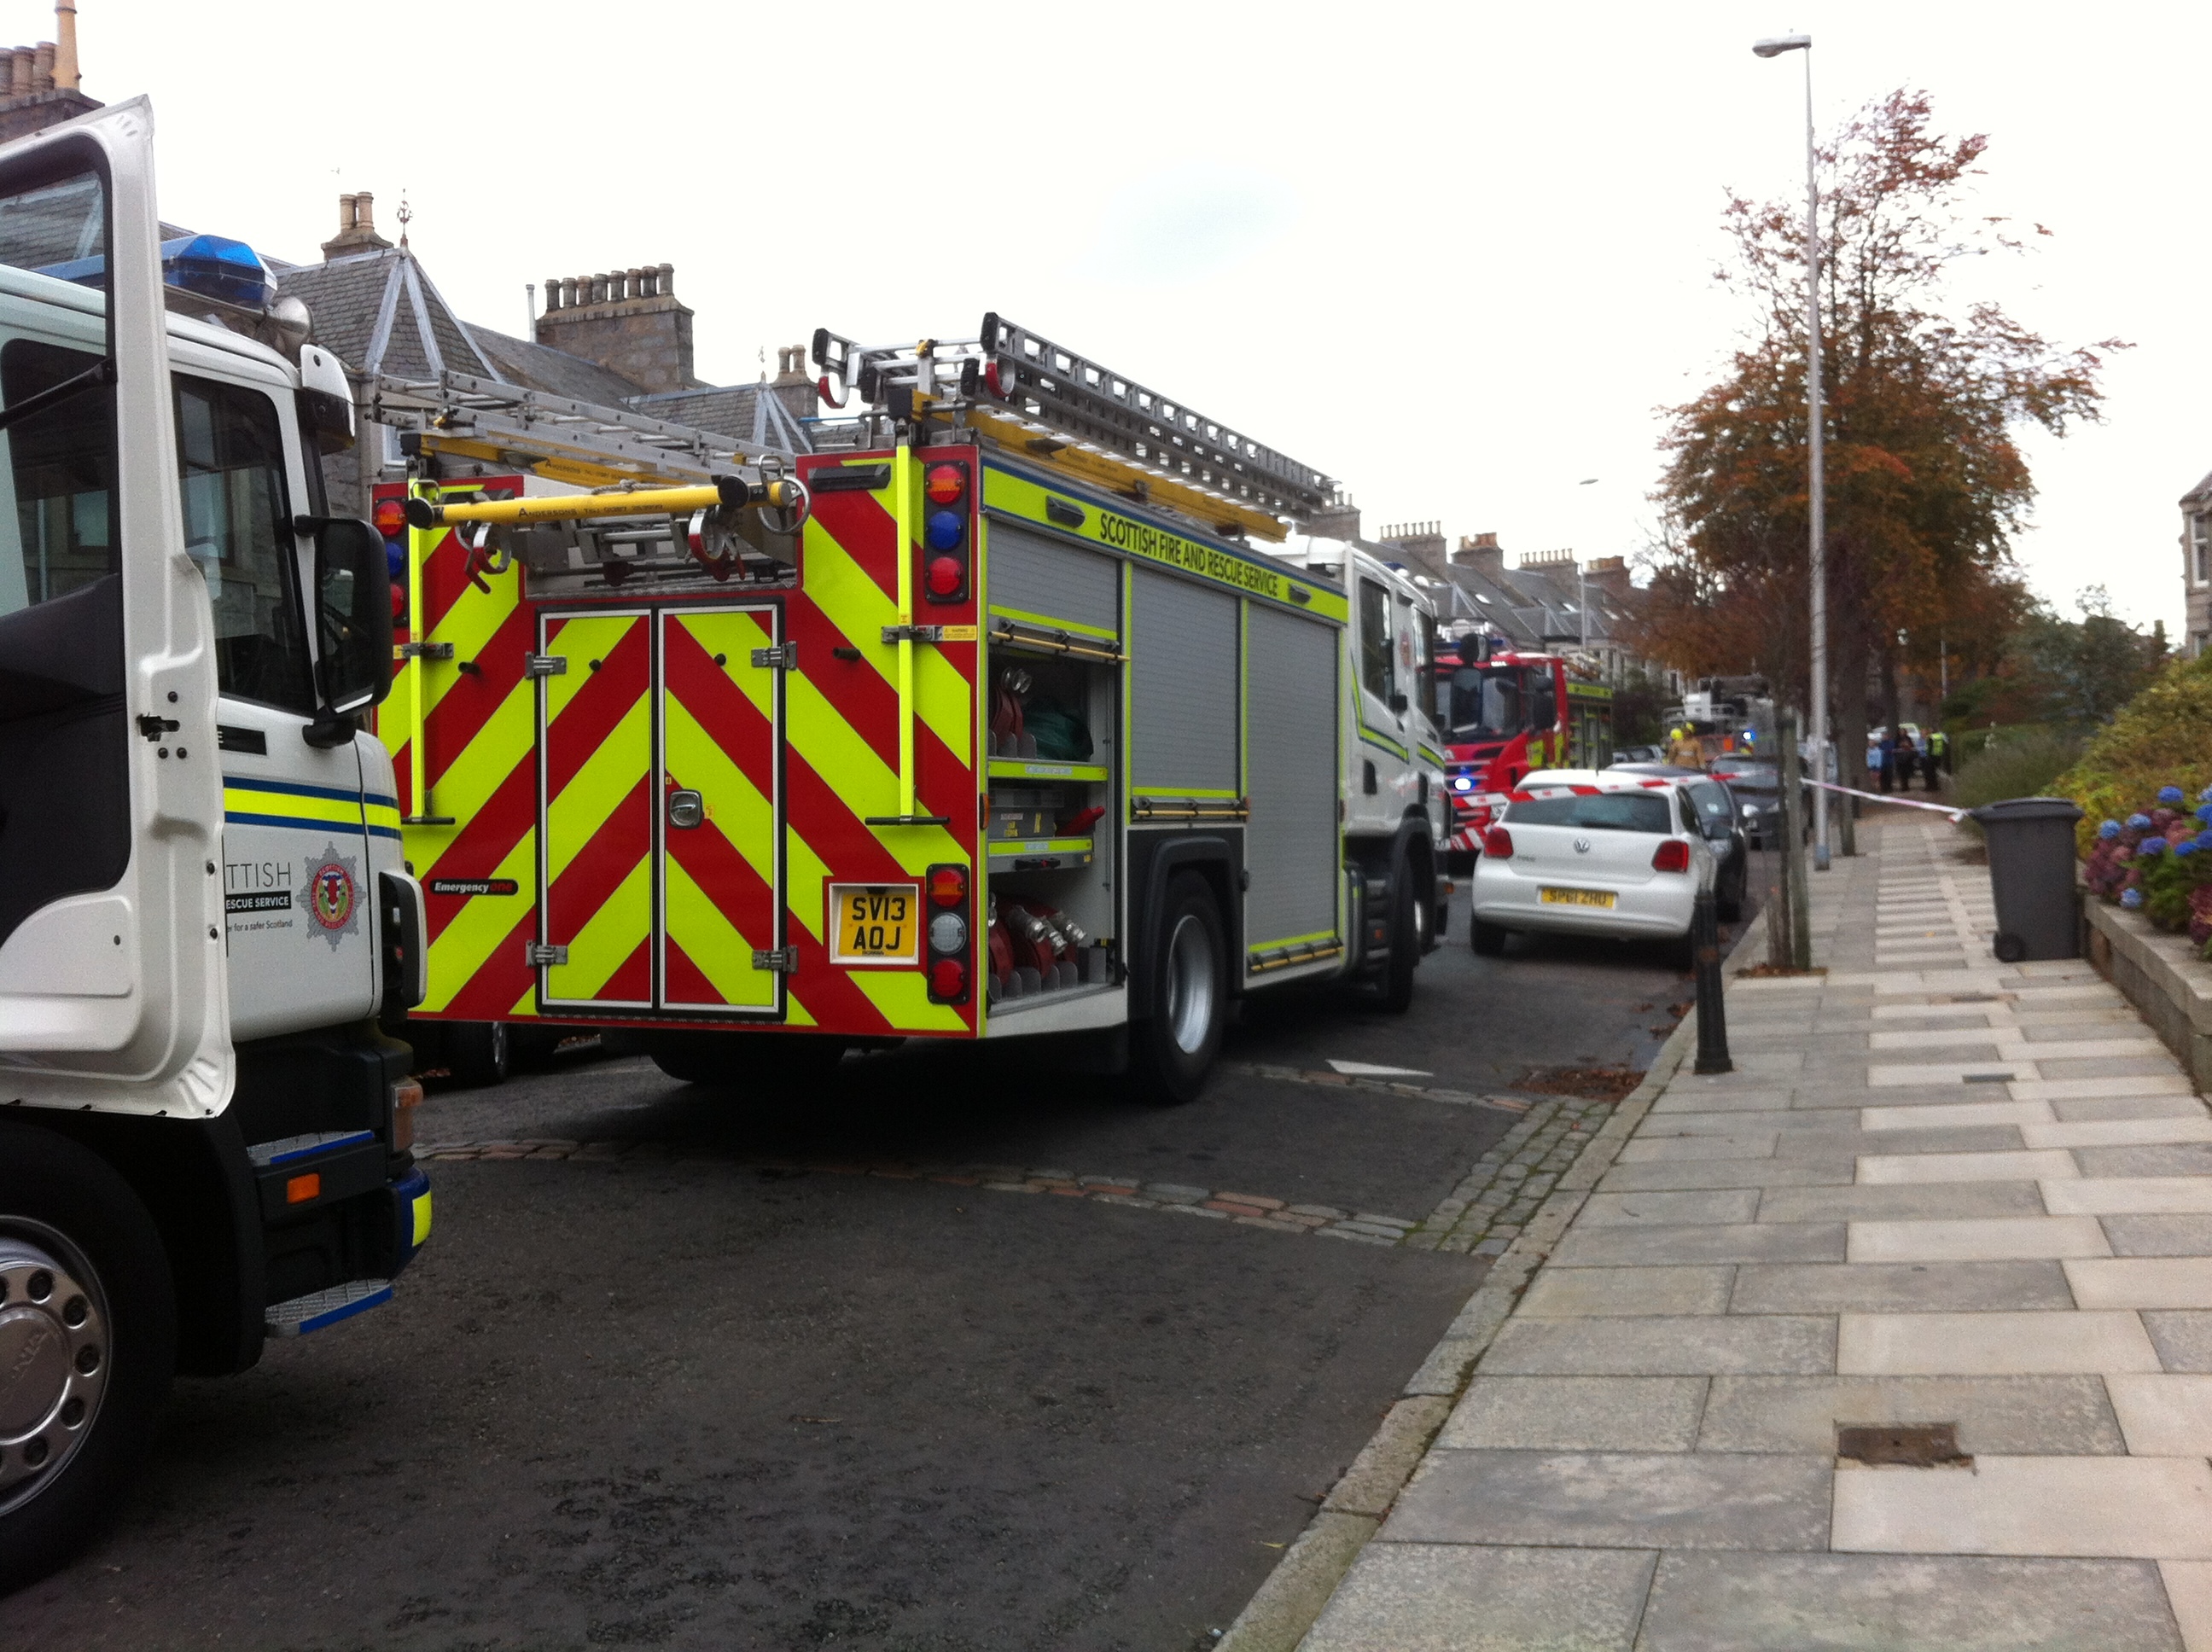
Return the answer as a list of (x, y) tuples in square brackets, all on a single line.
[(1673, 855), (1498, 843), (951, 942)]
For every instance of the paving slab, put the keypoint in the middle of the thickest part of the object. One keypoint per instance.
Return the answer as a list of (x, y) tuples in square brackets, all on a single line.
[(2067, 1416), (1719, 1207), (1990, 1239), (2184, 1340), (2001, 1344), (1577, 1413), (2161, 1282), (2155, 1508), (2017, 1166), (1955, 1138), (1420, 1597), (1729, 1173), (2129, 1196), (2191, 1160), (1900, 1287), (1747, 1242), (1874, 1201), (1583, 1292), (1684, 1345), (2166, 1415), (1675, 1500), (1711, 1602), (2160, 1236)]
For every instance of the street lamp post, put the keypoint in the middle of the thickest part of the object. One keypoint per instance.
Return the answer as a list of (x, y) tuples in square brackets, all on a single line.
[(1816, 483)]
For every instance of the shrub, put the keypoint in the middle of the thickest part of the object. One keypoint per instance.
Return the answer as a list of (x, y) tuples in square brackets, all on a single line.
[(2025, 765), (2163, 736)]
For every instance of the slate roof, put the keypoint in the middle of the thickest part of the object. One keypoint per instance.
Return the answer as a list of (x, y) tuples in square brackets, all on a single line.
[(2199, 493), (542, 367), (726, 409), (347, 298)]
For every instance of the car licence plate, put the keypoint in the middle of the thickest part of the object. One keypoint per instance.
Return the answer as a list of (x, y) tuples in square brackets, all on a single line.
[(1576, 897), (875, 923)]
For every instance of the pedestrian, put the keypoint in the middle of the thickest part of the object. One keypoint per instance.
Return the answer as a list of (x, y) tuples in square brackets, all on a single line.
[(1887, 759), (1939, 749), (1928, 762)]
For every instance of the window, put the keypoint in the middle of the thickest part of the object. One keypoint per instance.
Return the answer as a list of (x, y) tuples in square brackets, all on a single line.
[(61, 466), (1485, 703), (2200, 549), (1608, 812), (1375, 668), (1542, 697), (230, 457)]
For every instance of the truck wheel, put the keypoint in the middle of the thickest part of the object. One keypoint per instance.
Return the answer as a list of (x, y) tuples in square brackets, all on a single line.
[(88, 1342), (1174, 1046), (477, 1052), (1488, 939), (766, 1063), (1407, 938)]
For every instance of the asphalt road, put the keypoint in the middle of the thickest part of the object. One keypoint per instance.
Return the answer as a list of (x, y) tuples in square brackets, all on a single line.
[(732, 1391)]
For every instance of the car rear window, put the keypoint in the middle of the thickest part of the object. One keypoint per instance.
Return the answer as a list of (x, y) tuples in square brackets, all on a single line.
[(1608, 812)]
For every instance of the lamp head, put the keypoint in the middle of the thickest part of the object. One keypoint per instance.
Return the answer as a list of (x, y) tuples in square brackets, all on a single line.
[(1782, 43)]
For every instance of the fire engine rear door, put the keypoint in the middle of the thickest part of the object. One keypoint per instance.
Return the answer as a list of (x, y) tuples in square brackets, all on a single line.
[(597, 800), (722, 869)]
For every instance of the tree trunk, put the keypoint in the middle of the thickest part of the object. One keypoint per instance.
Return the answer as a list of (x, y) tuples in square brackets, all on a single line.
[(1892, 711)]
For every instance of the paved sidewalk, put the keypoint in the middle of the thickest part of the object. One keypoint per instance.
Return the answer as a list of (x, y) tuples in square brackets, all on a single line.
[(1937, 1190)]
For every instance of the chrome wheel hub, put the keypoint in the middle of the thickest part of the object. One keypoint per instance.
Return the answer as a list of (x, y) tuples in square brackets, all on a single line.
[(53, 1356), (1190, 985)]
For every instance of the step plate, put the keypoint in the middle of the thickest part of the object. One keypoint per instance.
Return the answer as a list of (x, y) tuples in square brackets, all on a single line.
[(320, 1308)]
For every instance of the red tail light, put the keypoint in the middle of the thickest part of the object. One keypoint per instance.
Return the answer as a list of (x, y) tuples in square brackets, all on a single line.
[(950, 944), (948, 885), (948, 980), (1498, 843), (1673, 855)]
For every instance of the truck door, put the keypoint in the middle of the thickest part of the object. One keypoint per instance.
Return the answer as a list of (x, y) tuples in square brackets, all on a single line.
[(721, 786), (661, 811), (111, 980)]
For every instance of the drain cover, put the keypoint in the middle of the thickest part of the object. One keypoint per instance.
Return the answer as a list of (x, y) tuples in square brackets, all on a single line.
[(1915, 1445)]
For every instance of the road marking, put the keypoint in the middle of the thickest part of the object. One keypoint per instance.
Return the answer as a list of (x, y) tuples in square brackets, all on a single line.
[(1250, 1209), (1369, 1070), (1312, 1076)]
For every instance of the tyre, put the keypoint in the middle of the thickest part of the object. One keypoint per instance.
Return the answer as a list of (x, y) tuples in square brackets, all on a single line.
[(1488, 939), (766, 1064), (1172, 1047), (1728, 899), (477, 1052), (1408, 927), (88, 1340)]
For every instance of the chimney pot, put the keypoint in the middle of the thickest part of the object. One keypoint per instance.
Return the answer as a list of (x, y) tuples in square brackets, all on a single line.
[(552, 292), (65, 71), (665, 280), (364, 212), (20, 64), (42, 73), (637, 279), (347, 207)]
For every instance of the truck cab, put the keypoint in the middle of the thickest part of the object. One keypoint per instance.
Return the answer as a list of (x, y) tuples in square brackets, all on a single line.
[(203, 1134)]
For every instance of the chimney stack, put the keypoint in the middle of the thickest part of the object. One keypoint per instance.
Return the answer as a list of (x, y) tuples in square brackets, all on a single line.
[(1420, 543), (627, 320), (1610, 575), (1482, 553), (38, 84), (356, 227)]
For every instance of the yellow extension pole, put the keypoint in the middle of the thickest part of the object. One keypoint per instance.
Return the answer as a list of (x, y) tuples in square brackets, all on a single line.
[(637, 502), (418, 545), (902, 491)]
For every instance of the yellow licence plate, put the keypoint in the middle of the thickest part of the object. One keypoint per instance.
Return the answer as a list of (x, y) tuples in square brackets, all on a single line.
[(875, 923), (1576, 897)]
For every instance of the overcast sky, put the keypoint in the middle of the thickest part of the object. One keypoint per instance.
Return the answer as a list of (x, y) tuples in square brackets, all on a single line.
[(1457, 256)]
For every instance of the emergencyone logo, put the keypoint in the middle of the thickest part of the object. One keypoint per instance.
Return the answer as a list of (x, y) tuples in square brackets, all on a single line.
[(330, 896)]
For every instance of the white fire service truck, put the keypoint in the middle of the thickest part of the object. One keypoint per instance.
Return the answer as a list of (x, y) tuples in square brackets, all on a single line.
[(989, 716), (204, 1136)]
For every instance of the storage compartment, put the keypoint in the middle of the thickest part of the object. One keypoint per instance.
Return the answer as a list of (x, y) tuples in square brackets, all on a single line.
[(1052, 913)]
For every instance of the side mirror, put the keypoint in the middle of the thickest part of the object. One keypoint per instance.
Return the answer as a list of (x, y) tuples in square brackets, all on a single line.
[(1398, 703), (353, 624)]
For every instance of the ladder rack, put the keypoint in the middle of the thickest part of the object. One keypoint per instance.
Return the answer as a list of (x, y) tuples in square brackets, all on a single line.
[(571, 440), (1021, 387)]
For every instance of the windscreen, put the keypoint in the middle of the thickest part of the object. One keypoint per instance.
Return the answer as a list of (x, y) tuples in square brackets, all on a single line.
[(1608, 812), (1711, 802), (1485, 703)]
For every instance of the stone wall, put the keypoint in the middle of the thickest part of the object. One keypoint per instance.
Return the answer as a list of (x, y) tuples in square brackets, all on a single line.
[(2162, 976)]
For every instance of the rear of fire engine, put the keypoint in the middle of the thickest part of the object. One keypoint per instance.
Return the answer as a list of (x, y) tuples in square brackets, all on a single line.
[(1505, 713), (983, 719), (205, 1135)]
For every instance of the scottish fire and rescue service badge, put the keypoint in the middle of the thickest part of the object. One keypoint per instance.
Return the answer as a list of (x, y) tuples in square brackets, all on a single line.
[(331, 895)]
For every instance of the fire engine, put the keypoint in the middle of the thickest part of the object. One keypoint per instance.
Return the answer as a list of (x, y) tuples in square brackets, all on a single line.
[(1505, 713), (203, 910), (988, 716)]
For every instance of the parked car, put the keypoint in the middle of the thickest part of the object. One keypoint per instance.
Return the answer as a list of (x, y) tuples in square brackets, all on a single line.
[(1620, 854), (1638, 754), (1723, 818)]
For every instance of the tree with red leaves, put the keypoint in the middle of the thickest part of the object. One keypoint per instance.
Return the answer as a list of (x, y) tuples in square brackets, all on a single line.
[(1926, 486)]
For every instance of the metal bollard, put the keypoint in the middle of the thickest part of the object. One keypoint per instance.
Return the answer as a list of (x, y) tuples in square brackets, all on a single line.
[(1712, 1019)]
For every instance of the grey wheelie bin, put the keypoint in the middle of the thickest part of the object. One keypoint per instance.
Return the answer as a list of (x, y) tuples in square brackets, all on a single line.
[(2031, 841)]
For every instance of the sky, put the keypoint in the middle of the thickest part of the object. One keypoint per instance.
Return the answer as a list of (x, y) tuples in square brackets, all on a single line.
[(1460, 258)]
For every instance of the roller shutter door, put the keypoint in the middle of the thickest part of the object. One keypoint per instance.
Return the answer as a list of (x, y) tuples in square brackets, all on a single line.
[(1290, 844), (1032, 574), (1182, 697)]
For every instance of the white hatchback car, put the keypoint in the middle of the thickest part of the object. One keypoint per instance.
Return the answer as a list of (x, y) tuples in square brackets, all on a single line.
[(1581, 852)]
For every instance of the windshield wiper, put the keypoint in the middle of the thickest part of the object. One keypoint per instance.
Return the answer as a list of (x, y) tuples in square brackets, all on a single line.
[(100, 373)]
